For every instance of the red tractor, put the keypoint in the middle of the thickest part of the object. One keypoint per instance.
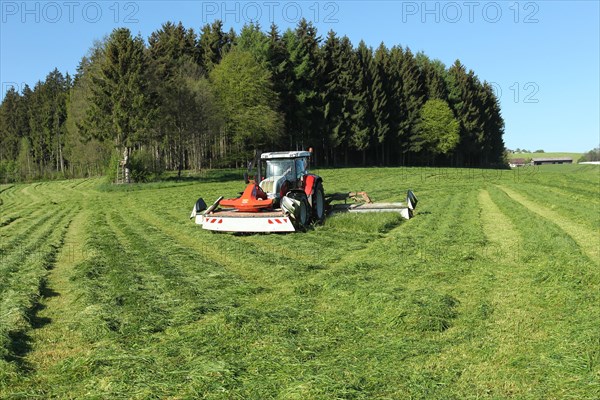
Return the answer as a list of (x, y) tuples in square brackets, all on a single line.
[(289, 198)]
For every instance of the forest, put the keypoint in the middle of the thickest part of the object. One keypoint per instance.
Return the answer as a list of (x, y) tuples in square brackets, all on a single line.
[(182, 100)]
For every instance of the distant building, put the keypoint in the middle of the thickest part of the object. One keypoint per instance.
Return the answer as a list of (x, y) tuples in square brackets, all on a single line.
[(544, 161), (517, 162)]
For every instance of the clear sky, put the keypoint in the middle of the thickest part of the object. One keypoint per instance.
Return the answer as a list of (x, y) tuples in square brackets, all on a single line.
[(542, 56)]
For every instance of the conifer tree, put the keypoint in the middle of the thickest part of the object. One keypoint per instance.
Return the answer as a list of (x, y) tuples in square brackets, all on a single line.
[(465, 103), (492, 144), (305, 120), (435, 73), (413, 96), (122, 105), (331, 93), (337, 69), (168, 45), (282, 76), (212, 44), (254, 41), (10, 125), (380, 97), (363, 120), (398, 139), (87, 155)]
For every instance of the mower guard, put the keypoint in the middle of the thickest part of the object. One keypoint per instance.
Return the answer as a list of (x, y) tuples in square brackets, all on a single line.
[(237, 221)]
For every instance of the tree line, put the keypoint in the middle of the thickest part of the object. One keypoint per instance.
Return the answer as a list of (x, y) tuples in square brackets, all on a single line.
[(592, 155), (186, 100)]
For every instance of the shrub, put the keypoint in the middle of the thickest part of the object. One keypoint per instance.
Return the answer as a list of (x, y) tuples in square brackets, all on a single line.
[(144, 166), (113, 165)]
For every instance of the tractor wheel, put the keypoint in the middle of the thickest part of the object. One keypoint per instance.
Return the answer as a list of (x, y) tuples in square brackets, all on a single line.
[(318, 204), (303, 213), (302, 218)]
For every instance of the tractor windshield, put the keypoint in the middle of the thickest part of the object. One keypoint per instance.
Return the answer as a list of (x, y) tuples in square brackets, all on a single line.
[(280, 168)]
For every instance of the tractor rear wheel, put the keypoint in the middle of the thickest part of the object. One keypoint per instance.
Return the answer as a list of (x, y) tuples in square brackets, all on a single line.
[(318, 203)]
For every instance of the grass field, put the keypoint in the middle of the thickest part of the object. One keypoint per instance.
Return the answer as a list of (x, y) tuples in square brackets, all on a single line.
[(491, 291)]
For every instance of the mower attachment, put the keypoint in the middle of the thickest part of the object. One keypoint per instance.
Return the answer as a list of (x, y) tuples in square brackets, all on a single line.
[(362, 203)]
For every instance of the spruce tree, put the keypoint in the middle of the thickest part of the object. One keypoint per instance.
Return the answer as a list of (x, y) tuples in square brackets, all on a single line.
[(40, 147), (435, 73), (363, 120), (413, 96), (87, 155), (346, 78), (54, 111), (305, 120), (168, 45), (380, 93), (398, 139), (282, 76), (465, 103), (122, 103), (331, 93), (10, 125), (492, 144), (337, 69), (254, 41), (212, 44)]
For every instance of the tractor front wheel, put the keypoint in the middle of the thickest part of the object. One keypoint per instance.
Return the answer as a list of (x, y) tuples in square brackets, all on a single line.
[(302, 213)]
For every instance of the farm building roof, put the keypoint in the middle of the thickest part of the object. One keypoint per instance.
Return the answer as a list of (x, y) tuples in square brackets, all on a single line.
[(552, 159)]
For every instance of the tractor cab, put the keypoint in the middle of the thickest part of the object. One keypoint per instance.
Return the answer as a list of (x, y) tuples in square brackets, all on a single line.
[(284, 171)]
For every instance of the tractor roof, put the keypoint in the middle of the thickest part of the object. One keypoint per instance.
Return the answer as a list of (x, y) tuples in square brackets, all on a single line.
[(285, 154)]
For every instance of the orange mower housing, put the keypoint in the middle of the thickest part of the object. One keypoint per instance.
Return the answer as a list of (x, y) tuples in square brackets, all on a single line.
[(253, 199)]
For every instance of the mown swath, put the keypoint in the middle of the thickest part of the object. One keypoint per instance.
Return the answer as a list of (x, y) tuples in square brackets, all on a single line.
[(23, 272), (586, 238)]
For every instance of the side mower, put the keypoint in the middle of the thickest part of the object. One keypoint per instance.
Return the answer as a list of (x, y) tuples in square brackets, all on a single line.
[(288, 199)]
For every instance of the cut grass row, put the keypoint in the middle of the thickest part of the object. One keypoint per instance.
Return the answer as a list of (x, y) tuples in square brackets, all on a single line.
[(23, 270), (580, 208), (564, 286), (30, 238), (586, 238)]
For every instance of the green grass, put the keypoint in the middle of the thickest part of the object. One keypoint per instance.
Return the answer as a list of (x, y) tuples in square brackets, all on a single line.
[(491, 291)]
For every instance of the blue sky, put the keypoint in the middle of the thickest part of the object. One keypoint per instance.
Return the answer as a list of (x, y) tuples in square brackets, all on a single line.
[(542, 56)]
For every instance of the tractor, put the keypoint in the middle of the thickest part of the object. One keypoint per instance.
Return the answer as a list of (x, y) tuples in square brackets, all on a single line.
[(287, 199)]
